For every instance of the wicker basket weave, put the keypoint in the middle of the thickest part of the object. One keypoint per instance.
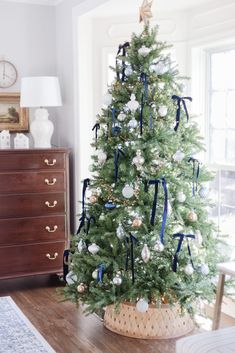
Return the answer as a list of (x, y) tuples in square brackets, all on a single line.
[(156, 323)]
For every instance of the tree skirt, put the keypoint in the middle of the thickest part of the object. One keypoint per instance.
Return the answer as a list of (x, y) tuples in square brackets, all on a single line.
[(17, 334), (157, 323)]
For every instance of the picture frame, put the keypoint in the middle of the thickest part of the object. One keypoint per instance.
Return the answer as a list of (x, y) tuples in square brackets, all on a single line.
[(12, 116)]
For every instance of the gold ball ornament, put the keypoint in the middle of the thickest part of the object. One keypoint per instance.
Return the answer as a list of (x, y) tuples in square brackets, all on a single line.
[(137, 223), (93, 199), (81, 288), (192, 216)]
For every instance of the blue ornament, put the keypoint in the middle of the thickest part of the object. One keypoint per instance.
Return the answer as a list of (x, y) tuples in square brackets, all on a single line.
[(110, 205), (203, 192), (116, 130)]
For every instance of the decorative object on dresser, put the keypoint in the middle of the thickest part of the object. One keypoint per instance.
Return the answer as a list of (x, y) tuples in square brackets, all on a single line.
[(34, 211), (41, 92), (12, 117), (5, 139), (21, 141)]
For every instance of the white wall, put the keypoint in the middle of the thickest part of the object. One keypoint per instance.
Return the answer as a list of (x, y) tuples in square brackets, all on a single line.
[(27, 39)]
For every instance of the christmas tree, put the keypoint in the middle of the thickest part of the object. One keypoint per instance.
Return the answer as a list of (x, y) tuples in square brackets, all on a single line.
[(144, 234)]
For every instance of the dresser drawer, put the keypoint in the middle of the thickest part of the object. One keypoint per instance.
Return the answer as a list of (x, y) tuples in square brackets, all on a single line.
[(31, 160), (14, 206), (22, 182), (31, 230), (31, 259)]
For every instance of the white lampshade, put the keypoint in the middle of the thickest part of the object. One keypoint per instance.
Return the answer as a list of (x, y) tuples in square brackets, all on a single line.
[(41, 91)]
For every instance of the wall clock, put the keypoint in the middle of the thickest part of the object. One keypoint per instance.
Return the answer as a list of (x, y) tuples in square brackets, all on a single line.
[(8, 74)]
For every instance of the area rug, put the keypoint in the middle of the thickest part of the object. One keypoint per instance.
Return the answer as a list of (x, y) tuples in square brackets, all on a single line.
[(17, 334)]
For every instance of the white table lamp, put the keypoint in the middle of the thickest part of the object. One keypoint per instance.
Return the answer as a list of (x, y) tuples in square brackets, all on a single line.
[(41, 92)]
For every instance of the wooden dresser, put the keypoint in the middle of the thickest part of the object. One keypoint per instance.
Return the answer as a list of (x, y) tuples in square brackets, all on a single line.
[(34, 211)]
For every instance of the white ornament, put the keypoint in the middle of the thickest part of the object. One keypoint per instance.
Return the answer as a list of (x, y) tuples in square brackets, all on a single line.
[(159, 247), (117, 280), (133, 104), (128, 71), (198, 238), (181, 197), (5, 139), (203, 192), (95, 274), (102, 217), (121, 117), (93, 248), (204, 269), (120, 232), (178, 156), (145, 253), (71, 278), (102, 156), (133, 123), (21, 141), (81, 246), (128, 191), (144, 51), (161, 85), (107, 99), (142, 306), (162, 111), (138, 160), (189, 270)]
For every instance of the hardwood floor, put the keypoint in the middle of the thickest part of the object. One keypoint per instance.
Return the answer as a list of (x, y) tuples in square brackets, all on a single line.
[(65, 327)]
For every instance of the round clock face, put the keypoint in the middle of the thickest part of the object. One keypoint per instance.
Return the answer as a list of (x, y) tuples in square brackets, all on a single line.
[(8, 74)]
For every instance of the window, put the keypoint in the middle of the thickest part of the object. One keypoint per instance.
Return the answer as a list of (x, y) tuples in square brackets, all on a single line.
[(221, 139)]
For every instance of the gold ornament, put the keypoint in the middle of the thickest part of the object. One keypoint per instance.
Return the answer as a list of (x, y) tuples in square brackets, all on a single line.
[(192, 216), (145, 11), (93, 199), (81, 288), (137, 223)]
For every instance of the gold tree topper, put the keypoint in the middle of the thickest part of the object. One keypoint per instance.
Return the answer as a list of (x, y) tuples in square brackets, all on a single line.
[(145, 11)]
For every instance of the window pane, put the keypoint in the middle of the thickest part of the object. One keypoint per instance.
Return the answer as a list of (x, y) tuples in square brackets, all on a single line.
[(230, 155), (217, 146), (219, 74), (231, 109), (230, 73), (218, 110)]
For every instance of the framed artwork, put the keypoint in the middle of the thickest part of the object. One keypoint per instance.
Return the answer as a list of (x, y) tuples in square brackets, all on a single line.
[(12, 116)]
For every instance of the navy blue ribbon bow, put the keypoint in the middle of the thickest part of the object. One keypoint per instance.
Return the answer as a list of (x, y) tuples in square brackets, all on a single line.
[(181, 238), (156, 182), (196, 173), (96, 127), (86, 183), (122, 48), (132, 240), (180, 100), (144, 97), (100, 274), (117, 155)]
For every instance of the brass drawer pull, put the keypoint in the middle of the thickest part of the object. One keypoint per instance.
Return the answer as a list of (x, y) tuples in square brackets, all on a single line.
[(46, 161), (53, 257), (47, 203), (51, 230), (50, 182)]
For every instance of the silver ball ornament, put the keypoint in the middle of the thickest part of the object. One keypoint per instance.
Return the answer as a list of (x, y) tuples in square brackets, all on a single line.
[(162, 111), (181, 197), (133, 123), (117, 280), (133, 104), (128, 191), (159, 247), (189, 269), (178, 156), (144, 51), (120, 232), (121, 117), (93, 248), (142, 306), (203, 192), (95, 274), (204, 269)]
